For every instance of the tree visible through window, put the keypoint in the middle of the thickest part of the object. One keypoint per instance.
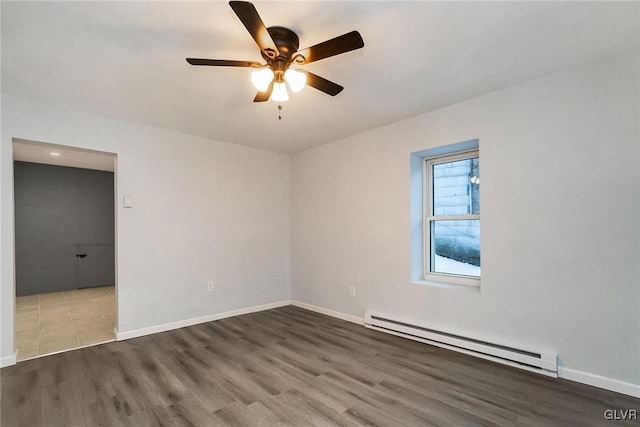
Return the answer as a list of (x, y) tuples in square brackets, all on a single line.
[(452, 217)]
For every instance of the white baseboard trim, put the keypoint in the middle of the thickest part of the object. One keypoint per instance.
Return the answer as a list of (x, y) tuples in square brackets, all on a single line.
[(8, 361), (194, 321), (322, 310), (599, 381)]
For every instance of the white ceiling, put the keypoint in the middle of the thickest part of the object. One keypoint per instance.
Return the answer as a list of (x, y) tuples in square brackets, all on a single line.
[(126, 60), (35, 152)]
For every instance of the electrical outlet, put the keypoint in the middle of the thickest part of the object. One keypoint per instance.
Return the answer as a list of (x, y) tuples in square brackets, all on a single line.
[(352, 291), (210, 286)]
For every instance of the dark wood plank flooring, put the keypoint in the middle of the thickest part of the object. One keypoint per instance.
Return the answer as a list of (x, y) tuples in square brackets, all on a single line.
[(288, 366)]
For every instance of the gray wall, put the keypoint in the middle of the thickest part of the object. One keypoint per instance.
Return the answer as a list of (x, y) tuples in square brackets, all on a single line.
[(62, 212)]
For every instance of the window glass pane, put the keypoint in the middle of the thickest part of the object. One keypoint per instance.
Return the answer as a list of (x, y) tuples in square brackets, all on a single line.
[(455, 247), (456, 187)]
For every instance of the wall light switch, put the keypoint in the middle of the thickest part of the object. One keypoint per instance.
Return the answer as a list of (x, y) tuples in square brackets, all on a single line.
[(128, 202)]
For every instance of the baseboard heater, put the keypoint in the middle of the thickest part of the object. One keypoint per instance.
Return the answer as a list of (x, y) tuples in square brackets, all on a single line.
[(543, 363)]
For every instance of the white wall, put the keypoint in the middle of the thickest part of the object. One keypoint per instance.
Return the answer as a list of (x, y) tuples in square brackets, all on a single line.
[(560, 232), (560, 218), (203, 210)]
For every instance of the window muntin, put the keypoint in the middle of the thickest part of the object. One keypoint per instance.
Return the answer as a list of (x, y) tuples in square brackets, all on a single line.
[(452, 218)]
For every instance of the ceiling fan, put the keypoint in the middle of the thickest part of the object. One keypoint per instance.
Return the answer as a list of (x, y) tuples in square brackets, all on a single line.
[(279, 48)]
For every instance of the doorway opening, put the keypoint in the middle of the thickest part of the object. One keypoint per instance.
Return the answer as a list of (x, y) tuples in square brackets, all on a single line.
[(65, 248)]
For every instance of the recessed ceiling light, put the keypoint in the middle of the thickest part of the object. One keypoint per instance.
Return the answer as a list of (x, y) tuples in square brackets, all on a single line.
[(54, 154)]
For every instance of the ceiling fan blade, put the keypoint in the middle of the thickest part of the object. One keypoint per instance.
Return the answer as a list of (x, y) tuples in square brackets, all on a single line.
[(322, 84), (264, 96), (253, 23), (336, 46), (223, 63)]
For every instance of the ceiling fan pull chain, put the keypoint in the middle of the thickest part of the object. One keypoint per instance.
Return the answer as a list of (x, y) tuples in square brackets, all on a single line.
[(279, 112)]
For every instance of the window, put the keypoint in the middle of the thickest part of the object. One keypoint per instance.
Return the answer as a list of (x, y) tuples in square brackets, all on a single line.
[(452, 218)]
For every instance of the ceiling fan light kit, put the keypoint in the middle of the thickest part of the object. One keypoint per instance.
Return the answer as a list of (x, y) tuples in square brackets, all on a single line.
[(262, 79), (279, 48), (295, 79), (279, 93)]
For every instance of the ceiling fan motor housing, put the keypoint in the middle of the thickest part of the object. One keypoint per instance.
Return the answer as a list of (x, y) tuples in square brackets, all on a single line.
[(287, 43)]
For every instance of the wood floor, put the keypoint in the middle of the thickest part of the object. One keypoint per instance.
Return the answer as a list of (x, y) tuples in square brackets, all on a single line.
[(288, 366)]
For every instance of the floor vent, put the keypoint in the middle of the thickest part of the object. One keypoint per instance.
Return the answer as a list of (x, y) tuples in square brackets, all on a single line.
[(544, 363)]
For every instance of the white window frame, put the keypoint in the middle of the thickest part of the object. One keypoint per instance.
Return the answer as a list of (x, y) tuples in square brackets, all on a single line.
[(428, 218)]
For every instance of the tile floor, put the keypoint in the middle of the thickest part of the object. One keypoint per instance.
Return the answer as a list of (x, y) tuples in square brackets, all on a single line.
[(57, 321)]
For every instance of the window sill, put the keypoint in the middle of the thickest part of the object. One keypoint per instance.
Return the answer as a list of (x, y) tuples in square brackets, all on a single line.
[(454, 286)]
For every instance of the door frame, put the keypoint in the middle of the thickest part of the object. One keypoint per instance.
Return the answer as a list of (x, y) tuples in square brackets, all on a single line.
[(81, 152)]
